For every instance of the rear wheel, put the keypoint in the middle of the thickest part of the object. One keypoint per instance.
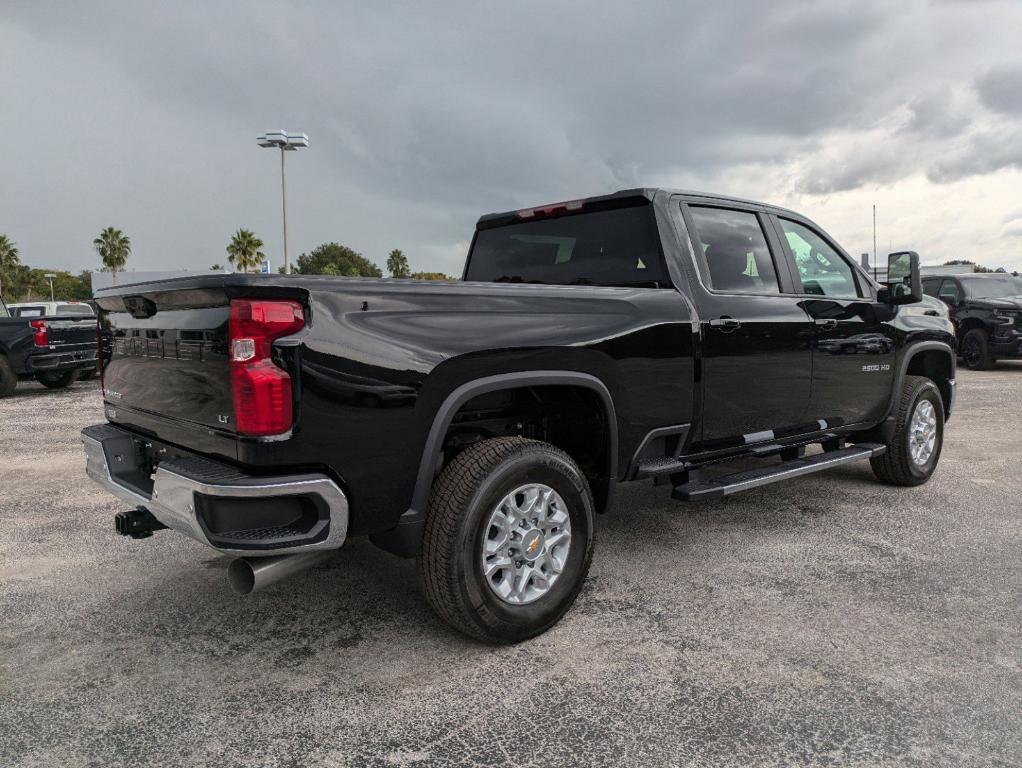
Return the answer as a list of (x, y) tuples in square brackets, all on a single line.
[(976, 353), (508, 540), (57, 379), (8, 379), (914, 451)]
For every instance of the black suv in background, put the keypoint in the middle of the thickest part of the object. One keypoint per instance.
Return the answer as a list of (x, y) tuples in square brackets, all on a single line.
[(987, 313)]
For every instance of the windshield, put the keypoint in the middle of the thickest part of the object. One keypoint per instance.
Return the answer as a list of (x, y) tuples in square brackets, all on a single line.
[(992, 287), (35, 311), (612, 247)]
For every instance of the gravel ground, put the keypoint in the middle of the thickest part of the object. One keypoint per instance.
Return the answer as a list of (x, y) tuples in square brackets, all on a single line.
[(826, 621)]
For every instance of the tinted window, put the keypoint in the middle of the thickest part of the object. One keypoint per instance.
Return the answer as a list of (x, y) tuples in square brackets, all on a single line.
[(949, 290), (823, 270), (29, 311), (993, 287), (615, 247), (3, 310), (74, 309), (931, 287), (735, 250)]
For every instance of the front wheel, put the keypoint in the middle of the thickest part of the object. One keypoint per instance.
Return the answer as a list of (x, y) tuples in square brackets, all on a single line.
[(508, 539), (57, 379), (914, 451), (976, 353)]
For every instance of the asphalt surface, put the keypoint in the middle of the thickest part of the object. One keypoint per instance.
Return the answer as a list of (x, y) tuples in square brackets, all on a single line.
[(825, 621)]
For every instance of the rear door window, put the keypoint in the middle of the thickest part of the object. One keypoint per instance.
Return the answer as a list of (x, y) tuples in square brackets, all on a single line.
[(735, 250), (824, 271), (616, 247)]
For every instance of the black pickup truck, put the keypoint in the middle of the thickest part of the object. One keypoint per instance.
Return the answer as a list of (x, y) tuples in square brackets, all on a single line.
[(987, 313), (481, 425), (52, 350)]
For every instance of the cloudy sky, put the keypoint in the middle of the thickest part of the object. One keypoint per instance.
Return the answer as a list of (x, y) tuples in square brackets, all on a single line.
[(143, 115)]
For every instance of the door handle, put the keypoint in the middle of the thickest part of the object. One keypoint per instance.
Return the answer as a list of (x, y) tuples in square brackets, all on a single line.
[(726, 324), (827, 323)]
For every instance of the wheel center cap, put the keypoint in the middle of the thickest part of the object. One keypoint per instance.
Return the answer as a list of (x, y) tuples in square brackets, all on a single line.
[(532, 545)]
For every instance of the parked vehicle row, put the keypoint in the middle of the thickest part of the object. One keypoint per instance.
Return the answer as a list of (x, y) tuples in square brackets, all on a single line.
[(52, 342), (987, 313), (480, 426)]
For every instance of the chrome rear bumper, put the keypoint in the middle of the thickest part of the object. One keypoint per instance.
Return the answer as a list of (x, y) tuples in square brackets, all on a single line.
[(184, 488)]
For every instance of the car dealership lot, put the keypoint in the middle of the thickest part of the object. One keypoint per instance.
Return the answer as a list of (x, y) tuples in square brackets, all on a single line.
[(830, 620)]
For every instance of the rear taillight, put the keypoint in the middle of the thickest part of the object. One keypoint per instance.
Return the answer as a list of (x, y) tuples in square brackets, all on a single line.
[(41, 333), (262, 390)]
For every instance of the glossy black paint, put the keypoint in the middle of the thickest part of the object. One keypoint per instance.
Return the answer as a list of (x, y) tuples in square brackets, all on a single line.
[(69, 337), (969, 310), (378, 359)]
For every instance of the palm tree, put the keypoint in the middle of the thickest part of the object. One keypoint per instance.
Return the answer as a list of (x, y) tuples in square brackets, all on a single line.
[(113, 247), (397, 264), (8, 258), (245, 250)]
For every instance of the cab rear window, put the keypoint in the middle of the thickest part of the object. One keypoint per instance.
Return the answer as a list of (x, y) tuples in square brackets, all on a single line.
[(616, 247)]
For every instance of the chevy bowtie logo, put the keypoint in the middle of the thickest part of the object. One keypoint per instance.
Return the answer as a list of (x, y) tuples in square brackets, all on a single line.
[(533, 546)]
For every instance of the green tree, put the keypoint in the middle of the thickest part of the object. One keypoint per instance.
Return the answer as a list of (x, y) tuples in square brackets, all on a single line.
[(335, 259), (216, 268), (978, 267), (245, 250), (431, 276), (113, 247), (397, 264), (9, 260)]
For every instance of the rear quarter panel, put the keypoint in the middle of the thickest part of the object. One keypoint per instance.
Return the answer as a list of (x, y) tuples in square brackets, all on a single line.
[(379, 359)]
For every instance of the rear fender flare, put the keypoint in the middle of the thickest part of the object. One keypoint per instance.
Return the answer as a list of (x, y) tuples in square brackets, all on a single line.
[(406, 538)]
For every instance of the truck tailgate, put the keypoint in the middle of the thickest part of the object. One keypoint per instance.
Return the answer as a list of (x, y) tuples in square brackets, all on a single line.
[(174, 362), (67, 332)]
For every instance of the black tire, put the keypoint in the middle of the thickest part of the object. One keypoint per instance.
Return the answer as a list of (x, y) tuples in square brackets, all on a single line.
[(57, 379), (897, 466), (464, 496), (8, 379), (976, 354)]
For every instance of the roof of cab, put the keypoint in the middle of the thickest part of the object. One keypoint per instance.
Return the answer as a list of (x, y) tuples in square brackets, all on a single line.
[(614, 199)]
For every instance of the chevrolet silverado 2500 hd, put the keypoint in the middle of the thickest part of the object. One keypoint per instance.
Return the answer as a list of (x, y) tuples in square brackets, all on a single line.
[(482, 425)]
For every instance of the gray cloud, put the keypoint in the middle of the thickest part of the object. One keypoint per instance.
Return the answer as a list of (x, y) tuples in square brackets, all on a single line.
[(1001, 89), (421, 118), (985, 152)]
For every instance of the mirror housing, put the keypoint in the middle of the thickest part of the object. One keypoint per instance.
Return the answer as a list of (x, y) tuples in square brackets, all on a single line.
[(904, 283)]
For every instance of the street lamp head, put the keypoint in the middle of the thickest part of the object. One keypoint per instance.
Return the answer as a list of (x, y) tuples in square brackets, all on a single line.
[(283, 140), (50, 277)]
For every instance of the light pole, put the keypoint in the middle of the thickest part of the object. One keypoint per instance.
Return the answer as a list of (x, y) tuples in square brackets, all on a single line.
[(50, 278), (286, 142)]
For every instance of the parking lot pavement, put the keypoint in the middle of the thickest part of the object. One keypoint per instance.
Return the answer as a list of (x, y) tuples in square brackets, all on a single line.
[(826, 621)]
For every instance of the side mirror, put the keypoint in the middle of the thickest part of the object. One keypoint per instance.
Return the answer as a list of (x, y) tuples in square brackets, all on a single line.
[(904, 284)]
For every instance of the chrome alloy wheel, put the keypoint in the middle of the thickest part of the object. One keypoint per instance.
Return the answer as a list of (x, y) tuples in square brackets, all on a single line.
[(922, 432), (526, 544)]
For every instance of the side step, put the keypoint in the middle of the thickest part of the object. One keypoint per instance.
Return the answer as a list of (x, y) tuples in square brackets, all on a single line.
[(753, 478)]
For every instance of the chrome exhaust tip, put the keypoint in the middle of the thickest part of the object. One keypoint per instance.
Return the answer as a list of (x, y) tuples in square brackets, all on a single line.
[(248, 574)]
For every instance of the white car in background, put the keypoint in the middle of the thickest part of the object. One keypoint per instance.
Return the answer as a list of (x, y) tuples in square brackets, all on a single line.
[(50, 309)]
